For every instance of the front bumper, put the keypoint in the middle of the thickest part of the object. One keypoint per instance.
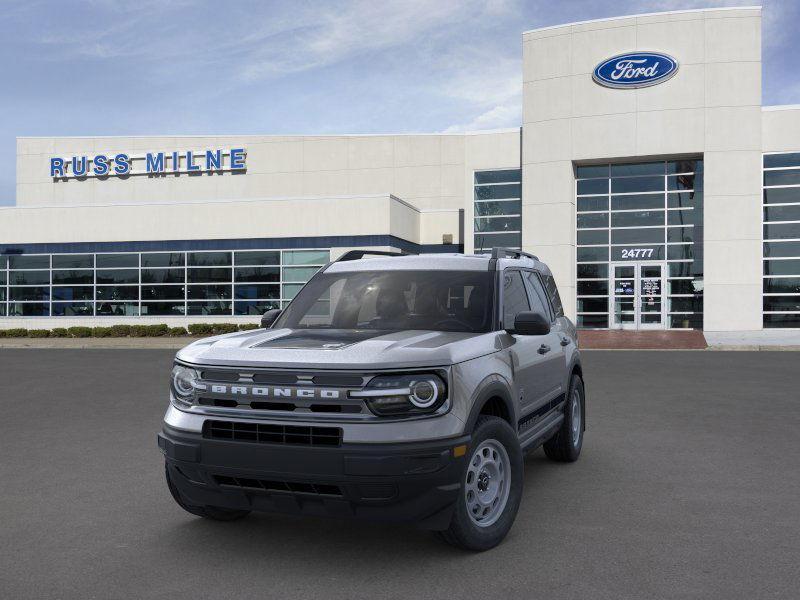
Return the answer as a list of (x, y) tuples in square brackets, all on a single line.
[(401, 482)]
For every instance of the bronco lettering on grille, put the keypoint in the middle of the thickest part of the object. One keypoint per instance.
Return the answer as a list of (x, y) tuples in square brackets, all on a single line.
[(275, 392)]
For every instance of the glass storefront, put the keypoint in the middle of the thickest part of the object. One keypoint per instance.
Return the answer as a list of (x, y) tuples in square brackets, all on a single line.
[(498, 209), (781, 300), (241, 282), (640, 245)]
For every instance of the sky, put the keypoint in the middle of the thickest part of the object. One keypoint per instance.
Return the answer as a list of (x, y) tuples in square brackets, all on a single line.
[(174, 67)]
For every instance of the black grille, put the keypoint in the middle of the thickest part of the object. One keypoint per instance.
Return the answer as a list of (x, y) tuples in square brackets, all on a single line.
[(319, 489), (265, 433)]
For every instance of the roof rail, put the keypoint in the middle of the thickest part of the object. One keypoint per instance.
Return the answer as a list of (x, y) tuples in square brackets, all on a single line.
[(509, 253), (358, 254)]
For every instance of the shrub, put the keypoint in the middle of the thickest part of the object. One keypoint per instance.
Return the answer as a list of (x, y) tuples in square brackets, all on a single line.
[(120, 330), (38, 333), (248, 327), (200, 329), (2, 333), (17, 332), (101, 332), (157, 330), (80, 332), (220, 328), (138, 331), (60, 332), (176, 331)]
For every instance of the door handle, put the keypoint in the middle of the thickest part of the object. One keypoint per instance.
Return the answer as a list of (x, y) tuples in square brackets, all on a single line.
[(565, 341), (544, 349)]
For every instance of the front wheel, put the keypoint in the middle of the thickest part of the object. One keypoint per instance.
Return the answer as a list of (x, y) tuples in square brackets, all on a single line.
[(491, 488), (566, 444)]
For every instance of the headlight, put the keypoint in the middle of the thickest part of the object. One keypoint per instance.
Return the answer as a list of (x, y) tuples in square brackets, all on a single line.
[(184, 380), (400, 395)]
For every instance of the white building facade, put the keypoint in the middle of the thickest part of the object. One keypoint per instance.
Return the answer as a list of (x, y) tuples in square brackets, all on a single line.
[(657, 187)]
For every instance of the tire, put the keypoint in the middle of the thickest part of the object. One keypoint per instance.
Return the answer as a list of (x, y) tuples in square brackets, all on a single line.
[(566, 444), (494, 443), (215, 513)]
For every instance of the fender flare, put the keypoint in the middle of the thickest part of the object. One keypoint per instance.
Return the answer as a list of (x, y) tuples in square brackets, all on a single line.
[(491, 387)]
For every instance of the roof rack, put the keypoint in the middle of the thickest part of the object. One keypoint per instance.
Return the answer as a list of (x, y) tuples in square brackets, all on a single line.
[(358, 254), (509, 253)]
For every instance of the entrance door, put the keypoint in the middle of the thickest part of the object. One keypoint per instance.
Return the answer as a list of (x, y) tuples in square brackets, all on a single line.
[(636, 298)]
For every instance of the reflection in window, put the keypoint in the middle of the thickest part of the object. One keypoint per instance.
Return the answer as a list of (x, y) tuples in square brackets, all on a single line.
[(497, 208)]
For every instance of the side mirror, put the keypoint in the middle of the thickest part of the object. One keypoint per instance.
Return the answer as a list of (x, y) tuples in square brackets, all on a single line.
[(531, 323), (269, 317)]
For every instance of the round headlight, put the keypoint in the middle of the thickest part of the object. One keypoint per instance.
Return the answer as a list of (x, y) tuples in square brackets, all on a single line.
[(424, 393), (183, 379)]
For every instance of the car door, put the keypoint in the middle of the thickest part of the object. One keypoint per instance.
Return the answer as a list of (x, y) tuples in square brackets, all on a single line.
[(529, 358), (555, 357)]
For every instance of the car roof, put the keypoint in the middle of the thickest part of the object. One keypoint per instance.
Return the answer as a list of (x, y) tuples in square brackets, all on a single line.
[(432, 262)]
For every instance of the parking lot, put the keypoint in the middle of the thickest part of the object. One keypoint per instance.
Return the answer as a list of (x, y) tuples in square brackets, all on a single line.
[(688, 487)]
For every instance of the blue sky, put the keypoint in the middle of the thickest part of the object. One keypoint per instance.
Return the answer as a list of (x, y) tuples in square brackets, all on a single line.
[(151, 67)]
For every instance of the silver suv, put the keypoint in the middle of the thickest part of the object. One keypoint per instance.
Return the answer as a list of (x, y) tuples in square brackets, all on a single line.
[(399, 388)]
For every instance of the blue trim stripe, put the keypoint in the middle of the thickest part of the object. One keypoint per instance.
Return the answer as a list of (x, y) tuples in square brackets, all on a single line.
[(334, 241)]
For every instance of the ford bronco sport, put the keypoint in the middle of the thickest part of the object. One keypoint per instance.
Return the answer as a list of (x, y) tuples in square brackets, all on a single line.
[(399, 388)]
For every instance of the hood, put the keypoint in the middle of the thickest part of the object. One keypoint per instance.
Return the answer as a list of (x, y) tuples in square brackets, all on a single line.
[(340, 349)]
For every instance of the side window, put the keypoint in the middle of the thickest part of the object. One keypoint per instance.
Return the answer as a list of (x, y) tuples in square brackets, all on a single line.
[(537, 294), (515, 299), (552, 291)]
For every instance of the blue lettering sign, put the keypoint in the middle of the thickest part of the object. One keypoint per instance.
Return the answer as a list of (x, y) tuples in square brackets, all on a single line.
[(635, 70), (123, 165), (154, 163), (56, 167), (100, 164), (79, 166), (237, 159), (190, 166), (176, 162), (213, 160)]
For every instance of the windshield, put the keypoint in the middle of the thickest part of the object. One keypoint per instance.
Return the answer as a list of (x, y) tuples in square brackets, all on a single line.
[(394, 300)]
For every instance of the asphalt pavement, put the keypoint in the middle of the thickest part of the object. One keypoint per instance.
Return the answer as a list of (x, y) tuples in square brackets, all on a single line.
[(688, 487)]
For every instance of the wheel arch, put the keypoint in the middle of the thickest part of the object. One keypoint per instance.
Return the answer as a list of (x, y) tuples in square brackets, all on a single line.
[(495, 399)]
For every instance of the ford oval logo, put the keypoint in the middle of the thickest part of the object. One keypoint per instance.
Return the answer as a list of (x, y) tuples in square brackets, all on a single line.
[(635, 70)]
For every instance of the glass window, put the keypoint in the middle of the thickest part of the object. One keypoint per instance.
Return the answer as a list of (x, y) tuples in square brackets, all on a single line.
[(255, 292), (499, 207), (498, 176), (593, 288), (638, 252), (680, 234), (306, 257), (254, 307), (209, 259), (290, 290), (694, 321), (162, 308), (209, 275), (23, 261), (592, 271), (636, 184), (28, 309), (221, 307), (29, 293), (785, 320), (596, 203), (163, 276), (2, 278), (592, 305), (162, 292), (593, 321), (638, 218), (115, 261), (781, 249), (681, 269), (782, 195), (117, 292), (684, 182), (680, 252), (782, 285), (590, 171), (3, 262), (84, 292), (73, 309), (257, 274), (209, 292), (684, 286), (684, 166), (782, 267), (73, 261), (782, 231), (515, 298), (595, 254), (298, 274), (29, 277), (592, 186), (536, 294), (498, 192), (782, 303), (637, 236), (637, 202), (782, 213), (258, 258), (487, 241), (684, 200), (593, 220), (117, 309), (117, 275), (492, 224), (592, 236), (72, 277), (163, 259), (552, 292), (650, 168), (790, 159), (685, 304), (788, 177), (684, 217)]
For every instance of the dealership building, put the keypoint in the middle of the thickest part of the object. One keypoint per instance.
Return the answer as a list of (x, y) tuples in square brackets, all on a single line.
[(646, 173)]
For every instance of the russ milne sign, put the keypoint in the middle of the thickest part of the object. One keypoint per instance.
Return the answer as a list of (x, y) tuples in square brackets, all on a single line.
[(635, 70), (151, 163)]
